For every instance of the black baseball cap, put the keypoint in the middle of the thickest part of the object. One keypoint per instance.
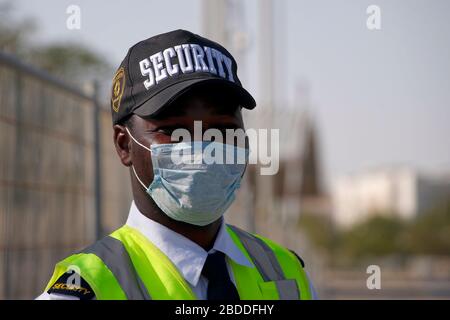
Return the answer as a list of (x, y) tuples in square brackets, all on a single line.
[(158, 70)]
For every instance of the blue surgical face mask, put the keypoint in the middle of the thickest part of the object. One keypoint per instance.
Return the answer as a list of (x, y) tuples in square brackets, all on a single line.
[(191, 183)]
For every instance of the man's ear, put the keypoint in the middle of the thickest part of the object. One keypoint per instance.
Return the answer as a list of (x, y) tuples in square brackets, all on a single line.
[(122, 144)]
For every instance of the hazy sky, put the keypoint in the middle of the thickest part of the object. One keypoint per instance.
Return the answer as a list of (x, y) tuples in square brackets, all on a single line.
[(379, 97)]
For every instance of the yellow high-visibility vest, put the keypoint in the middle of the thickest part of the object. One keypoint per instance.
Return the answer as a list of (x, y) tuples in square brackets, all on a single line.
[(126, 265)]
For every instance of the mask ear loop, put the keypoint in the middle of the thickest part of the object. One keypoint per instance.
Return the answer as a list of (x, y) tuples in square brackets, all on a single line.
[(246, 163), (147, 148), (132, 166), (248, 159), (135, 174)]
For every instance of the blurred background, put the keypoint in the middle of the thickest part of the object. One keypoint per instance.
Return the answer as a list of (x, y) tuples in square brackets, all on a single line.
[(363, 114)]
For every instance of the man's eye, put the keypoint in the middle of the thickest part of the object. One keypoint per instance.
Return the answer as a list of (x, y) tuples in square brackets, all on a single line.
[(166, 130)]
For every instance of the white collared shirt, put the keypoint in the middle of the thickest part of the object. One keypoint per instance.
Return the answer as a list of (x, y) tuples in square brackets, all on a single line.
[(185, 254)]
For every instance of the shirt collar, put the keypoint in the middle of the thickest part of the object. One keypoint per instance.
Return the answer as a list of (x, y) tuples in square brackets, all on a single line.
[(185, 254)]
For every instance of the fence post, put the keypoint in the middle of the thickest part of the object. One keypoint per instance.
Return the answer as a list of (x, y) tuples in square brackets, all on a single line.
[(97, 164)]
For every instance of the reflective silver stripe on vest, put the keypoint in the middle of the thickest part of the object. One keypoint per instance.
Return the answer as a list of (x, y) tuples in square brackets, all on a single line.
[(114, 255), (287, 289), (267, 264)]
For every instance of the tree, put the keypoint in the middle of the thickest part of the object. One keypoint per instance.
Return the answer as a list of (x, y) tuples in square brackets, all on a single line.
[(14, 35), (319, 230), (430, 233), (376, 237), (382, 235), (73, 62)]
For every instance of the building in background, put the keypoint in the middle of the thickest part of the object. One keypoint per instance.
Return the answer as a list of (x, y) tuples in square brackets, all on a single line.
[(399, 191)]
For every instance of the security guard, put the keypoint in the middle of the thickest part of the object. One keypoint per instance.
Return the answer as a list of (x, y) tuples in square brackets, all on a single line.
[(175, 243)]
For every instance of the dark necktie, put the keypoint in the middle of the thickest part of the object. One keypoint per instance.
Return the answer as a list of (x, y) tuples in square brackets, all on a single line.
[(220, 286)]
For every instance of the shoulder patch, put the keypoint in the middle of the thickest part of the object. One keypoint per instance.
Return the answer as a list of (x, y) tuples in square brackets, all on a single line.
[(72, 284), (298, 257)]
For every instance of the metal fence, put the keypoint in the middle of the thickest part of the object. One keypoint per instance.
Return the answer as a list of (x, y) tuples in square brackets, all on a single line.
[(61, 184)]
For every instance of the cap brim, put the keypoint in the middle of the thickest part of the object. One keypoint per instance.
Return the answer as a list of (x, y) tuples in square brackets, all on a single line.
[(163, 98)]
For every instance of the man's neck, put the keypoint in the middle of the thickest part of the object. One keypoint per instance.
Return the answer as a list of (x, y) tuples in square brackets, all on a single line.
[(204, 236)]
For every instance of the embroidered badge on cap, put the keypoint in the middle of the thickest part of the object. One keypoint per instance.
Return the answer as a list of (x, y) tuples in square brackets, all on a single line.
[(117, 88)]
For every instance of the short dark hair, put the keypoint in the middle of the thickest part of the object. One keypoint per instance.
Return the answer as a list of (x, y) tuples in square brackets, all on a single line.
[(127, 122)]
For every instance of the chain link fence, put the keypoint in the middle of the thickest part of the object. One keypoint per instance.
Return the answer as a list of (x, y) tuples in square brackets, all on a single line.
[(61, 183)]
